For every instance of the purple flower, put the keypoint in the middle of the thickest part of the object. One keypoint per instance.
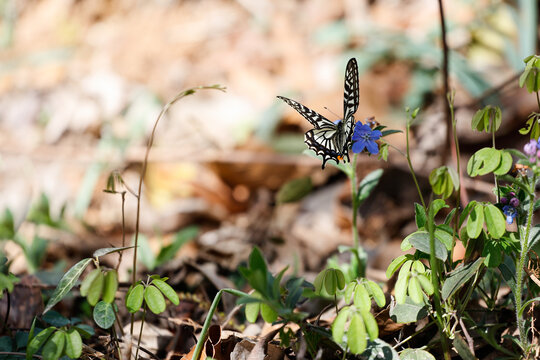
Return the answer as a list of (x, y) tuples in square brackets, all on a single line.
[(514, 202), (510, 212), (504, 200), (530, 148), (364, 138)]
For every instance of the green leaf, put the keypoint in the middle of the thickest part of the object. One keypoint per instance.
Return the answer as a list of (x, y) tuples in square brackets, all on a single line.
[(110, 286), (371, 325), (493, 253), (73, 344), (436, 206), (368, 183), (338, 326), (475, 221), (395, 264), (109, 250), (415, 291), (85, 285), (427, 285), (167, 290), (408, 312), (356, 336), (37, 342), (483, 162), (54, 347), (66, 283), (294, 190), (444, 237), (252, 311), (361, 298), (401, 283), (375, 290), (180, 239), (154, 299), (466, 211), (419, 215), (505, 164), (420, 240), (495, 221), (55, 319), (459, 277), (268, 313), (96, 289), (104, 314), (415, 354), (134, 298)]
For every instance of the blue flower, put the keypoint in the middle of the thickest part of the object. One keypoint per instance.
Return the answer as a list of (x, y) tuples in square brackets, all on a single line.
[(510, 212), (364, 138)]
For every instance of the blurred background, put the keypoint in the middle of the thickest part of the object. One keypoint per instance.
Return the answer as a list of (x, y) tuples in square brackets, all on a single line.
[(82, 82)]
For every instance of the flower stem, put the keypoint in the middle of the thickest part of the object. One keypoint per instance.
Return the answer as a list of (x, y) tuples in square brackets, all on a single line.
[(521, 264), (354, 193), (409, 162)]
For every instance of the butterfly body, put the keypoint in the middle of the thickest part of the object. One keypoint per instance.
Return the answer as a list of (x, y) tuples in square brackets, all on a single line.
[(332, 140)]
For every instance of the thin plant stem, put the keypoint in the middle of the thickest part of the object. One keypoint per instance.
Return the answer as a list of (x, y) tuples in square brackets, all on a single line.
[(435, 276), (140, 332), (21, 354), (537, 99), (409, 162), (458, 168), (213, 307), (123, 193), (521, 265), (143, 172), (354, 192), (445, 72)]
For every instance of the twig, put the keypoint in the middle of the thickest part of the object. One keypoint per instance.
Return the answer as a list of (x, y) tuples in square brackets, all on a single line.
[(467, 336), (18, 354), (448, 120)]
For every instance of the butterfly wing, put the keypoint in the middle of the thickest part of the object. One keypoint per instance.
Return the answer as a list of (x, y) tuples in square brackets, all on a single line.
[(316, 119), (322, 139), (351, 99), (323, 142)]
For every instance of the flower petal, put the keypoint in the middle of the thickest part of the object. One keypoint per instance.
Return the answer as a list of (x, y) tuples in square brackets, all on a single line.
[(358, 146), (372, 147)]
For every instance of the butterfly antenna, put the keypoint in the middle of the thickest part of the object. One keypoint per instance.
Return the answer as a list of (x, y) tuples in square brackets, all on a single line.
[(336, 115)]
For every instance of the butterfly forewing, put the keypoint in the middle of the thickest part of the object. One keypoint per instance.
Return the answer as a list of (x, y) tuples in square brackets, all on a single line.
[(351, 94), (316, 119)]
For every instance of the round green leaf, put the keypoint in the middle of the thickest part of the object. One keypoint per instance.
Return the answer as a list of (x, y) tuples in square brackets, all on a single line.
[(475, 221), (361, 298), (415, 291), (505, 165), (495, 221), (319, 280), (96, 289), (110, 287), (400, 290), (349, 291), (415, 354), (375, 290), (338, 326), (356, 336), (483, 162), (426, 284), (268, 314), (134, 298), (154, 299), (167, 290), (54, 347), (85, 285), (104, 314), (73, 344)]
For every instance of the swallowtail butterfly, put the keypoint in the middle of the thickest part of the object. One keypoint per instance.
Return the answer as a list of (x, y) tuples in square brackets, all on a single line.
[(332, 140)]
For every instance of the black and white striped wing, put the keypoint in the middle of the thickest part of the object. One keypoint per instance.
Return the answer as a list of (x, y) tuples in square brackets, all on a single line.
[(351, 95), (351, 99), (322, 141), (316, 119)]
